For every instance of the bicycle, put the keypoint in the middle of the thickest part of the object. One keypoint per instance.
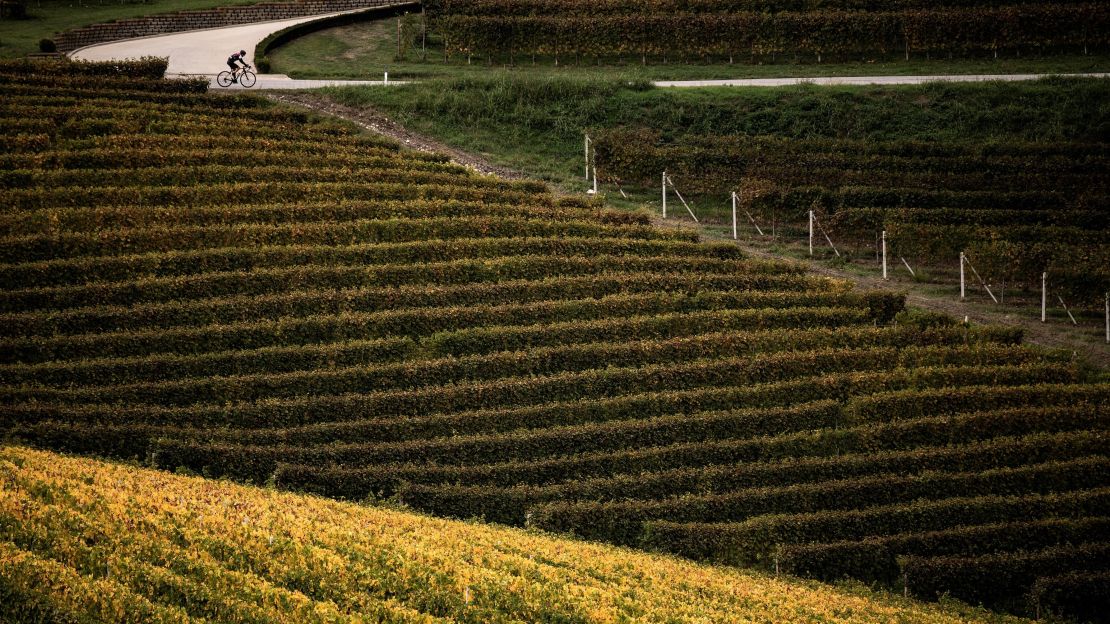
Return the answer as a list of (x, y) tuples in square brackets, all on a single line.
[(246, 78)]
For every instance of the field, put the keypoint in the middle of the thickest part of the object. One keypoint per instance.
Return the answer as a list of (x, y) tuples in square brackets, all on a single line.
[(299, 305), (753, 30), (82, 540)]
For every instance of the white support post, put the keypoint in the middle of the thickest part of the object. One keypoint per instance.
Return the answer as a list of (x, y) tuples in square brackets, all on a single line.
[(963, 281), (811, 232), (978, 277), (587, 157), (826, 235), (908, 267), (735, 236), (884, 254), (1044, 295), (1073, 321), (752, 219), (664, 194), (688, 209), (595, 180), (385, 81)]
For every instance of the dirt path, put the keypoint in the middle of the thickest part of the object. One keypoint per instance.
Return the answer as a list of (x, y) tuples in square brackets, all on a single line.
[(1083, 341), (378, 123)]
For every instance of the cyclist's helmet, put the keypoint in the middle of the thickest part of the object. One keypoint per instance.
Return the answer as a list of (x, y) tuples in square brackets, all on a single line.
[(242, 52)]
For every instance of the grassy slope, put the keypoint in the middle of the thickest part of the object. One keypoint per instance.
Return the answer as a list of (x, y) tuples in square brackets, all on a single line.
[(366, 50), (536, 124), (47, 17), (347, 558)]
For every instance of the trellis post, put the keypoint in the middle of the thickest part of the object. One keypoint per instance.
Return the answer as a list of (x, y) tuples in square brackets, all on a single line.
[(884, 254), (734, 234), (1044, 296), (587, 157), (811, 232), (963, 290), (664, 194)]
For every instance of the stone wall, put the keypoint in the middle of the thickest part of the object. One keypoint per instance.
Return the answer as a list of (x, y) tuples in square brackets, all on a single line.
[(212, 18)]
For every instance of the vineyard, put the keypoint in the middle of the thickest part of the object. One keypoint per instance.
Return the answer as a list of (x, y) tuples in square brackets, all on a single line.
[(757, 30), (289, 302), (1015, 209), (82, 540)]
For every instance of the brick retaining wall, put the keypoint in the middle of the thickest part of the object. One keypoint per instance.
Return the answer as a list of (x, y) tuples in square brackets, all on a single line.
[(211, 18)]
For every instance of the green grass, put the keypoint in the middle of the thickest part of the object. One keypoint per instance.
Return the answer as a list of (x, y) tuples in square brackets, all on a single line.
[(535, 124), (48, 17), (366, 50)]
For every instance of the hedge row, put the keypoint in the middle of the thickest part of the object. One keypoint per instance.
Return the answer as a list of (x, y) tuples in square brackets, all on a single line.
[(621, 522), (292, 192), (708, 293), (336, 356), (756, 541), (744, 274), (413, 374), (128, 241), (438, 8), (258, 463), (908, 404), (111, 371), (862, 222), (78, 220), (357, 481), (1002, 579), (10, 75), (156, 375), (717, 165), (510, 505), (386, 170), (963, 30), (150, 68), (454, 330), (874, 559), (297, 142), (381, 169), (611, 382), (84, 270), (295, 152), (1083, 596)]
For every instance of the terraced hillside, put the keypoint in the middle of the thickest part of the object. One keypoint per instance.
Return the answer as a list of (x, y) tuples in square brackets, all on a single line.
[(82, 540), (1017, 208), (741, 30), (281, 300)]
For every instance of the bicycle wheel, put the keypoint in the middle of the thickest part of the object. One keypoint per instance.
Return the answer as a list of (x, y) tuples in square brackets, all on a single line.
[(224, 78), (247, 78)]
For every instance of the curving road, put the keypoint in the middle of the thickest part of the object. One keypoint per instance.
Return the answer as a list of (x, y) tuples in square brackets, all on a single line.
[(204, 52)]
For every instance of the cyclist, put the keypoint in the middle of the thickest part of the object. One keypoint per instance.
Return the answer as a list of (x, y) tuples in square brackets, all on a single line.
[(235, 62)]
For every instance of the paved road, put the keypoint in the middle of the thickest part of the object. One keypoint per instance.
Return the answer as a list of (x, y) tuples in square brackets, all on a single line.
[(205, 52), (859, 80)]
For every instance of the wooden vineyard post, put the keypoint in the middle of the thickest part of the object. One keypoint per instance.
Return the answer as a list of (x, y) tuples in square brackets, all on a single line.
[(1107, 304), (664, 194), (595, 181), (398, 38), (884, 254), (734, 234), (1044, 295)]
